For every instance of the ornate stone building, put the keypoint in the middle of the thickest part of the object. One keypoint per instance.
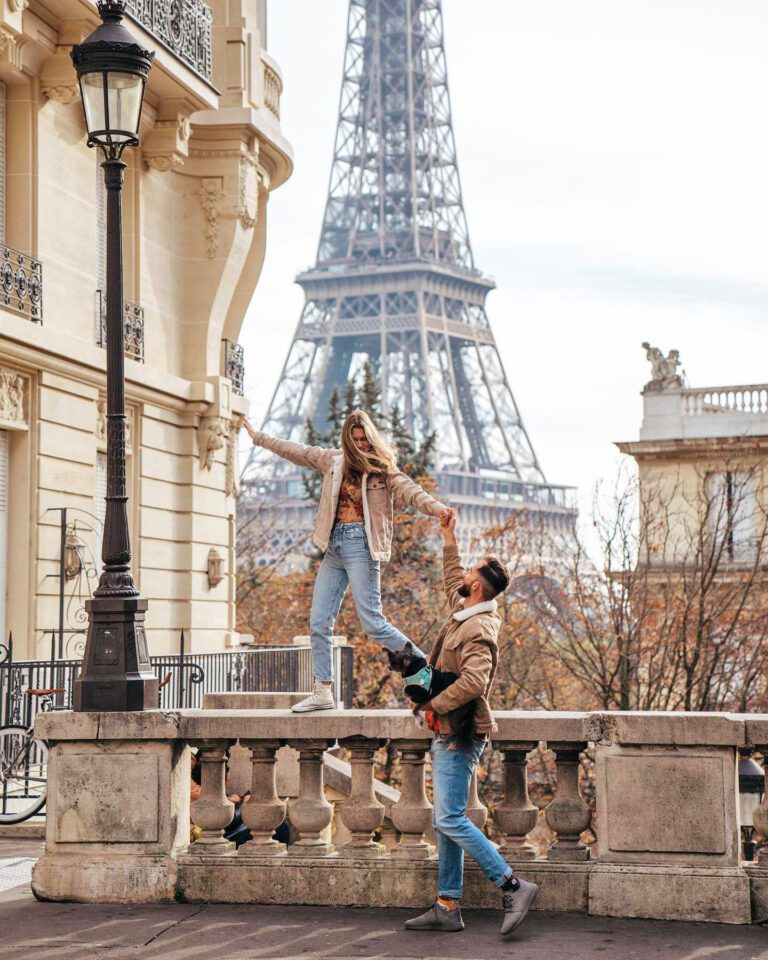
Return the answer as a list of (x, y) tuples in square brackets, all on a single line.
[(194, 209), (702, 458)]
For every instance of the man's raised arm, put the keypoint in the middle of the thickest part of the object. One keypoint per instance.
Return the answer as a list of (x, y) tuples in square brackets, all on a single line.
[(453, 572)]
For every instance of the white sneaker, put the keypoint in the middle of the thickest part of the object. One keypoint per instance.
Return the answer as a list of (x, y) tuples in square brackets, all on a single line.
[(321, 698)]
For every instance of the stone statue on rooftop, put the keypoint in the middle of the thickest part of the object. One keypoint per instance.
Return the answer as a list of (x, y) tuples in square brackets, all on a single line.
[(664, 375)]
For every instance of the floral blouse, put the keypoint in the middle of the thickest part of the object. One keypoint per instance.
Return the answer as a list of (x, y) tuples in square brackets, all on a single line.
[(350, 508)]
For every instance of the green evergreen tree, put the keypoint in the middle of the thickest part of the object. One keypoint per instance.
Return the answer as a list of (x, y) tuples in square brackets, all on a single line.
[(369, 394), (350, 397), (335, 418)]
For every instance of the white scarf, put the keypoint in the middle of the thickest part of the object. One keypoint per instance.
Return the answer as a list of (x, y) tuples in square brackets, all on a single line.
[(488, 606)]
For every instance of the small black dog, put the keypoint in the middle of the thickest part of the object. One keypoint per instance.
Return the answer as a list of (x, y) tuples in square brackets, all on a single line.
[(423, 682)]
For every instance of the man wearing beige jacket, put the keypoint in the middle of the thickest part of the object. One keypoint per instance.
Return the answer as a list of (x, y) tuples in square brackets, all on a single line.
[(466, 645)]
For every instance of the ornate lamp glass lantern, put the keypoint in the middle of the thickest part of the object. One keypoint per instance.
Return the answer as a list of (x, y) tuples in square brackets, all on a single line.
[(751, 793), (112, 69)]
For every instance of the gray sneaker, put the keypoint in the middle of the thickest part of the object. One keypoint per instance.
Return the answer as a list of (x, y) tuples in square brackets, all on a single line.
[(437, 918), (516, 904)]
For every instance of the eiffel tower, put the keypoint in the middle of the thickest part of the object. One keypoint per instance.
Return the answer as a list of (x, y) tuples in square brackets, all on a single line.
[(395, 285)]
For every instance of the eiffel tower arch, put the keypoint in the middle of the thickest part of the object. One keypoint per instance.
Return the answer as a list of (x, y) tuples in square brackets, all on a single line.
[(395, 284)]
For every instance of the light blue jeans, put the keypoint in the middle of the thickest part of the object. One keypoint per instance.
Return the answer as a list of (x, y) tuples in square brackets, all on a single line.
[(452, 771), (348, 563)]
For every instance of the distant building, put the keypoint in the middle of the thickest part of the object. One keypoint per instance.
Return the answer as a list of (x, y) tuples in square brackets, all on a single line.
[(702, 460), (194, 241)]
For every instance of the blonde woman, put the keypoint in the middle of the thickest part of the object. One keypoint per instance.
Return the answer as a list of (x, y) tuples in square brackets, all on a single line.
[(353, 528)]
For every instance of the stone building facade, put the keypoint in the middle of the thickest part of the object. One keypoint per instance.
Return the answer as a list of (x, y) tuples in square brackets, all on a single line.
[(194, 231)]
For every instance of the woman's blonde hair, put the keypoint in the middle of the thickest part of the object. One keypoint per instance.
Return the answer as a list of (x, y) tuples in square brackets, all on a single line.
[(379, 459)]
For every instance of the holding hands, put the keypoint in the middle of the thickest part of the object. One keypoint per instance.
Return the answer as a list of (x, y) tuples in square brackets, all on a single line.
[(448, 526)]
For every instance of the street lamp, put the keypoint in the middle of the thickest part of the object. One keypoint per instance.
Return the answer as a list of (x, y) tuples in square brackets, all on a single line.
[(116, 674), (751, 792)]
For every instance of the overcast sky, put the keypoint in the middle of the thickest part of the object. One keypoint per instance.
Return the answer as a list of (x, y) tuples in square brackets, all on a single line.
[(614, 165)]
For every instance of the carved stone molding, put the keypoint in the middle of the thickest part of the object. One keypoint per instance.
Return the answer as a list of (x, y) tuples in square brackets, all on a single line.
[(62, 94), (211, 434), (13, 390), (211, 194), (7, 40), (232, 482), (166, 145), (249, 163), (18, 5), (164, 163)]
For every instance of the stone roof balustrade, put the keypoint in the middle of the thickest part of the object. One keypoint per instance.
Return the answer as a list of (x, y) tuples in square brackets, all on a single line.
[(666, 820)]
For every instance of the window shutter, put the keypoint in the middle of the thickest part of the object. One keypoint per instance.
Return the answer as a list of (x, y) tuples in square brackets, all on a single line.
[(4, 496), (2, 162)]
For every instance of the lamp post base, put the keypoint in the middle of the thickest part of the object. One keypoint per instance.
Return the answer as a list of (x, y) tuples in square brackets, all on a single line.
[(116, 672)]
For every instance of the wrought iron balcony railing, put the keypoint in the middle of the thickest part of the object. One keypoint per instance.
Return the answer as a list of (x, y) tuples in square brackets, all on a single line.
[(233, 364), (133, 326), (21, 283), (184, 26)]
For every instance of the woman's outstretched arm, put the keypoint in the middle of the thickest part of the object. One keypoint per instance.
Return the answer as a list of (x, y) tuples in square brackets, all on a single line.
[(319, 458), (406, 490)]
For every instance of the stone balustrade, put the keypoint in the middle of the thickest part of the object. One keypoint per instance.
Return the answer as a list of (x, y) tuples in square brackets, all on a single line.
[(667, 822)]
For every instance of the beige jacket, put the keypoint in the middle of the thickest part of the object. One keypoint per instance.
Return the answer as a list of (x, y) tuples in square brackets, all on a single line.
[(467, 645), (378, 494)]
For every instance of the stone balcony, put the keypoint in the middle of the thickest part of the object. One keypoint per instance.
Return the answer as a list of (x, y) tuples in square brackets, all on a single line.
[(667, 813), (695, 413)]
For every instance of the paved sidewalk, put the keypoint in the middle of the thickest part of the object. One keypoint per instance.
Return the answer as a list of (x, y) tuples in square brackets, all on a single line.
[(71, 931)]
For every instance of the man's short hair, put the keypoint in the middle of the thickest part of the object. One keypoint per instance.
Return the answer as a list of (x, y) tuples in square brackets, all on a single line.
[(494, 576)]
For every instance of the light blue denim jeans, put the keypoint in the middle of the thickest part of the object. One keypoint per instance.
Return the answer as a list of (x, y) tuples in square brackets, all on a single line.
[(452, 771), (348, 563)]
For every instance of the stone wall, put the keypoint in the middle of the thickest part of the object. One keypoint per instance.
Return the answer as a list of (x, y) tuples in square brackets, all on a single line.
[(667, 820)]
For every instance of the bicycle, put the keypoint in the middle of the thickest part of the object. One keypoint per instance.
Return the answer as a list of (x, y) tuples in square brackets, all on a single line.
[(24, 762)]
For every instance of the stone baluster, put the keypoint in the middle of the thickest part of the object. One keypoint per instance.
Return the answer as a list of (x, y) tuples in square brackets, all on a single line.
[(212, 811), (516, 816), (264, 811), (310, 812), (412, 813), (476, 809), (760, 815), (568, 815), (362, 813)]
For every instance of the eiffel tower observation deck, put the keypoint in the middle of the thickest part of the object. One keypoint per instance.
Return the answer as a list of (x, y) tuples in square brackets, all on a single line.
[(395, 286)]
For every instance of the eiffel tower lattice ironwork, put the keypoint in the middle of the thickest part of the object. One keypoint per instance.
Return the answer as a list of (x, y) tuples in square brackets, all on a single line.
[(395, 285)]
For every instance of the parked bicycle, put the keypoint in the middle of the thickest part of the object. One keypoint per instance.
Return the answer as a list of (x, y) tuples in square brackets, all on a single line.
[(24, 762), (24, 765)]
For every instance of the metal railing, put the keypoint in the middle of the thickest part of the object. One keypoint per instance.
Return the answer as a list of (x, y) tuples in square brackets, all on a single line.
[(183, 26), (21, 283), (133, 326), (278, 668), (233, 365)]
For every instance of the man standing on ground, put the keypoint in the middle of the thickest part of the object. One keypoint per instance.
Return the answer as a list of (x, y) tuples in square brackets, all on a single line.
[(467, 646)]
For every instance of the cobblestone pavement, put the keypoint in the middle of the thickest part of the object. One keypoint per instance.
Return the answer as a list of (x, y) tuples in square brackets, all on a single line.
[(71, 931)]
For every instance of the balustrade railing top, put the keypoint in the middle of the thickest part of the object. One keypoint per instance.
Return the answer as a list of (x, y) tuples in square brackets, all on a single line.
[(749, 398)]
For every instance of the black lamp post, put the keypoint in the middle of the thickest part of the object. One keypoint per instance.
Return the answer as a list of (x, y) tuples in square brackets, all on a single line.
[(116, 674)]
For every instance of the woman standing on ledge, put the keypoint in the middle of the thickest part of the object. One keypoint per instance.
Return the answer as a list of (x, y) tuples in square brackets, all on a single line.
[(353, 528)]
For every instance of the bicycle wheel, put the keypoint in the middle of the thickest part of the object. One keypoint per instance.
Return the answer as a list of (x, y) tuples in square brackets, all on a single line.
[(23, 770)]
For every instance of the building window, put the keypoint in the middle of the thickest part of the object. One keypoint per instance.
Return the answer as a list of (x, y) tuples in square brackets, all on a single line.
[(731, 509), (4, 458)]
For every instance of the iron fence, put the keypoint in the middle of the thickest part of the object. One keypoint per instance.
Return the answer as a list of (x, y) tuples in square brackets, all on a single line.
[(278, 668)]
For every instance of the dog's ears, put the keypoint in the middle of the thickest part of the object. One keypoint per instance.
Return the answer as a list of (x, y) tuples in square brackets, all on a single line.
[(391, 657), (408, 646)]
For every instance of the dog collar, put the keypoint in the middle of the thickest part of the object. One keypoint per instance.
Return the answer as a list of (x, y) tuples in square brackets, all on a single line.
[(421, 679)]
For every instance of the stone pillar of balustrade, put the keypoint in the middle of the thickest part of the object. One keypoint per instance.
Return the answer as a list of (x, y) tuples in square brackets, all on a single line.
[(362, 814), (568, 815), (760, 815), (412, 813), (310, 813), (476, 809), (212, 811), (264, 811), (516, 816)]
